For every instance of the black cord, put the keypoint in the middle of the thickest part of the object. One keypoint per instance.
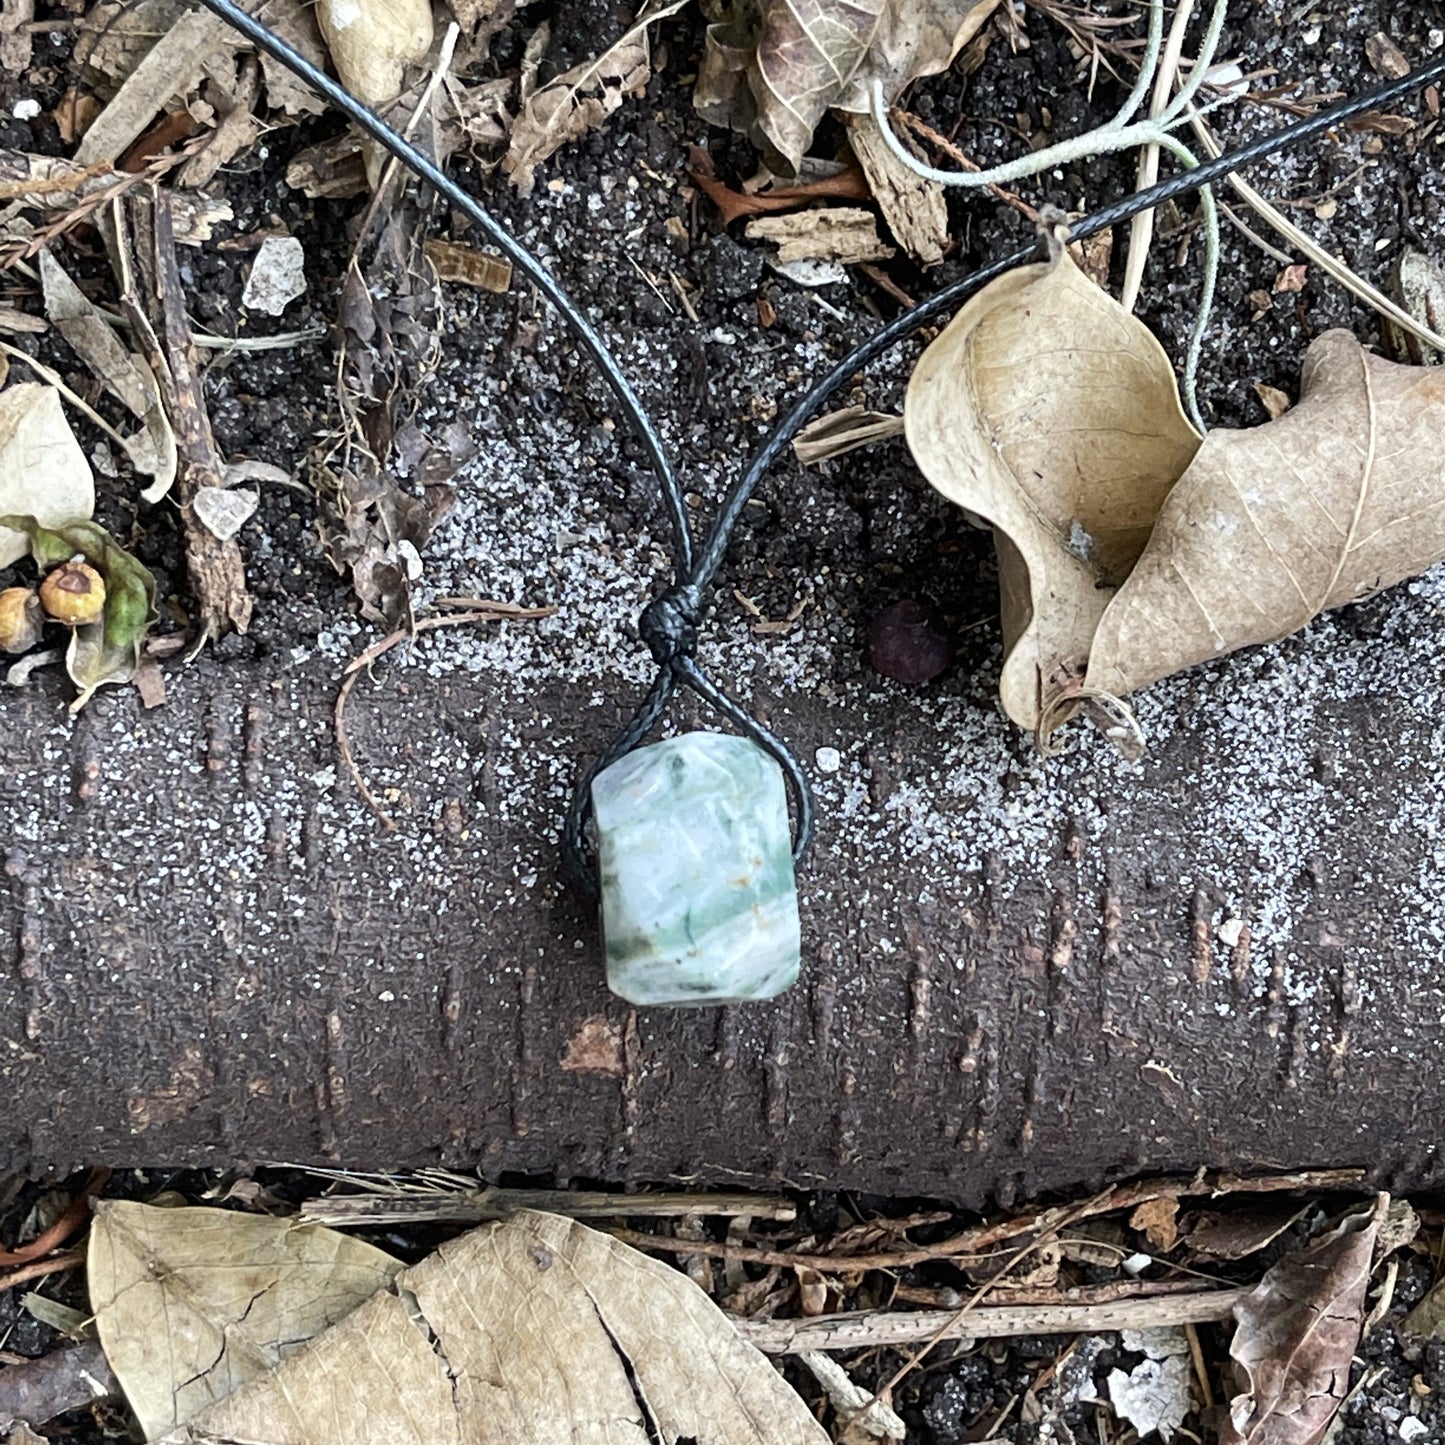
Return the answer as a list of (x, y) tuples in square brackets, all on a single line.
[(669, 623)]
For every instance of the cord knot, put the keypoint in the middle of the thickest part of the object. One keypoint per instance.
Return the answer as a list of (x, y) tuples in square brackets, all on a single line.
[(668, 624)]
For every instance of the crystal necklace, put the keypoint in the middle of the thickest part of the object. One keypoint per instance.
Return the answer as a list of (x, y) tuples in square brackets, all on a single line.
[(695, 853)]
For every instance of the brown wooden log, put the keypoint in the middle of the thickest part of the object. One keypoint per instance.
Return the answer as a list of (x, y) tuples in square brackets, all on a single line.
[(213, 953)]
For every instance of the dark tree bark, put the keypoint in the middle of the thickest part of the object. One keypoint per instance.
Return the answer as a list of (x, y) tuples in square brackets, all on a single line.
[(212, 953)]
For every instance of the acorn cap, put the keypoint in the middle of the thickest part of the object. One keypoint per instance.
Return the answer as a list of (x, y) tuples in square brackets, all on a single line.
[(74, 593)]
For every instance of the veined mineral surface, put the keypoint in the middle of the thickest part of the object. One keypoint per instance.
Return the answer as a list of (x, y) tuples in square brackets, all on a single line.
[(698, 899)]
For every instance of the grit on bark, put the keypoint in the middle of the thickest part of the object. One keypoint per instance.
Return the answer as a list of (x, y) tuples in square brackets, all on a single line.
[(214, 954)]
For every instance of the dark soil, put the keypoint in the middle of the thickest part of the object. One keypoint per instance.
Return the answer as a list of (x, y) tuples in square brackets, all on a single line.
[(715, 385)]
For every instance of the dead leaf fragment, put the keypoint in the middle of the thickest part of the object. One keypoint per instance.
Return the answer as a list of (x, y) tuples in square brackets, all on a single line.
[(1386, 58), (466, 266), (1158, 1221), (1050, 414), (776, 67), (295, 23), (1272, 399), (43, 472), (1267, 528), (191, 1303), (582, 98), (1292, 279), (843, 431), (1296, 1335), (844, 235), (536, 1329)]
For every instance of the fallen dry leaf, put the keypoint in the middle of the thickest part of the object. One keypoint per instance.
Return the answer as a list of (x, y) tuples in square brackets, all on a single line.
[(1267, 528), (43, 472), (1049, 413), (1238, 1233), (536, 1329), (846, 235), (582, 98), (1296, 1335), (191, 1303), (1127, 549), (775, 67), (125, 376)]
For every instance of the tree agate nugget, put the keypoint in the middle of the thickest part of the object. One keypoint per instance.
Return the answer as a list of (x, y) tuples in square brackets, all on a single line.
[(698, 900)]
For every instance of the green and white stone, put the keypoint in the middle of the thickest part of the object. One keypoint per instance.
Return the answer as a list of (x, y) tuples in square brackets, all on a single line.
[(698, 899)]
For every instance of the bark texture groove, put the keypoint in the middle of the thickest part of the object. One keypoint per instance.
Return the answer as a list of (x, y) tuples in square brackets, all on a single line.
[(209, 953)]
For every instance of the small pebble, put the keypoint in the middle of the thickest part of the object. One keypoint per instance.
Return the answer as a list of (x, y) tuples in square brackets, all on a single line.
[(26, 109), (278, 276), (1412, 1428), (1230, 932), (903, 644), (829, 760)]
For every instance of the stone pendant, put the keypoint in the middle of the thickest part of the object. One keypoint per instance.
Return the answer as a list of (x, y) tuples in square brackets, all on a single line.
[(699, 904)]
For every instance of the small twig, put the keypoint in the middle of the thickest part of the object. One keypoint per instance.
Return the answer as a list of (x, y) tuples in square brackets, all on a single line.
[(983, 1237), (926, 132), (486, 612), (75, 1215), (365, 1210), (1311, 249), (872, 1329), (86, 206), (1250, 234), (40, 1267), (1196, 1353)]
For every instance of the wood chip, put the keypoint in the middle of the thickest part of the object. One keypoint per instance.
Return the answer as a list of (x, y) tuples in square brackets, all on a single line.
[(1386, 58), (844, 235), (912, 205), (465, 265)]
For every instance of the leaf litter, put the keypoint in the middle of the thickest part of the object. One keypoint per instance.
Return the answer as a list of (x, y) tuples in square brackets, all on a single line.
[(224, 1326), (1130, 549)]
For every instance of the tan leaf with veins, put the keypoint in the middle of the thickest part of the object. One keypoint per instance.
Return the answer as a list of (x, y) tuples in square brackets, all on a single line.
[(1049, 413), (1296, 1335), (1336, 500), (536, 1329), (777, 66), (582, 98)]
